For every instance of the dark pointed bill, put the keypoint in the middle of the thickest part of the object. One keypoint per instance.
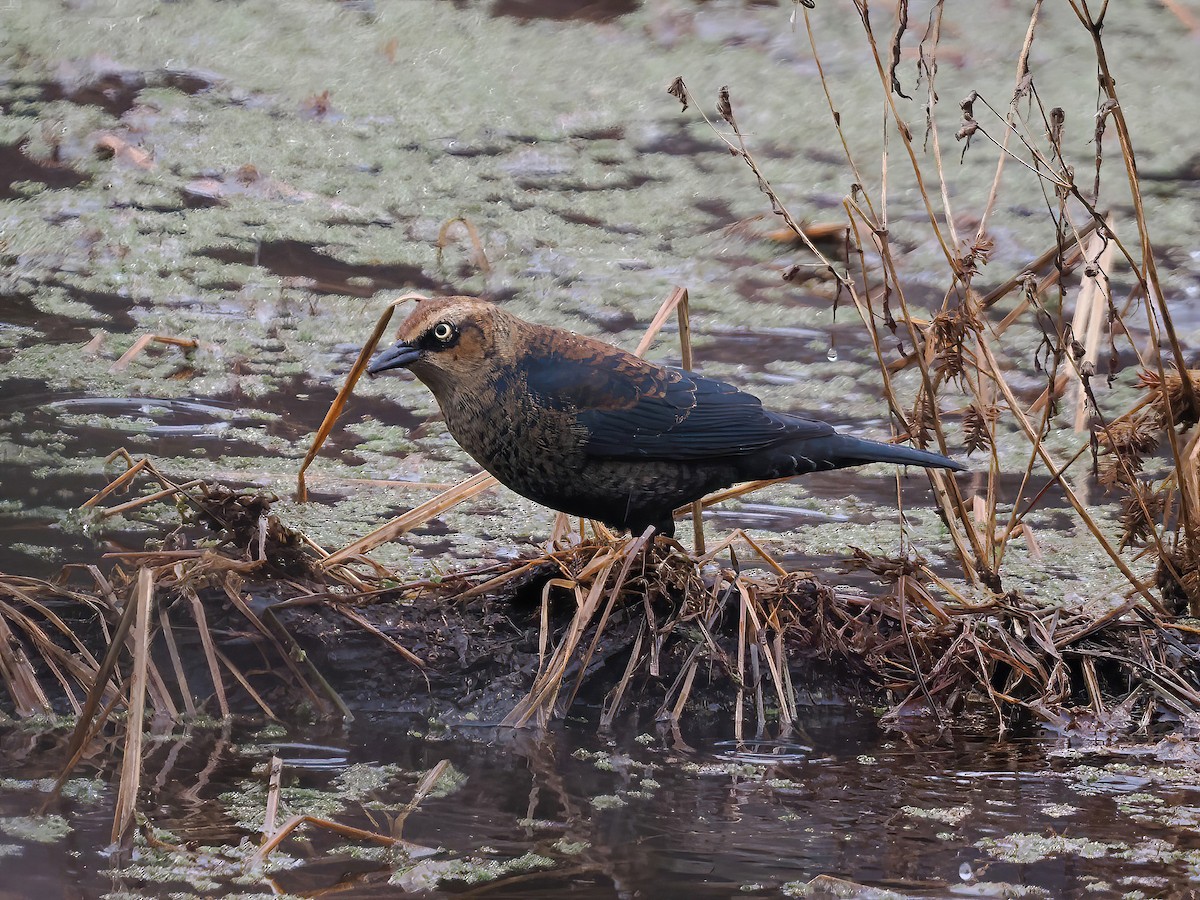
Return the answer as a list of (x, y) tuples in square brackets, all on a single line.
[(396, 356)]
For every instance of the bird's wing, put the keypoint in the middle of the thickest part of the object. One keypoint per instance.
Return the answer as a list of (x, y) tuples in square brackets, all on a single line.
[(629, 409)]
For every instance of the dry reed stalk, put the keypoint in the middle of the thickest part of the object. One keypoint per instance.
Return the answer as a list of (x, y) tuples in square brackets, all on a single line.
[(1186, 16), (346, 831), (210, 650), (174, 490), (19, 677), (1149, 263), (425, 786), (406, 654), (1020, 81), (339, 402), (628, 553), (245, 685), (414, 518), (289, 654), (88, 724), (615, 699), (271, 812), (120, 481), (479, 256), (1091, 304), (1071, 496), (168, 633), (145, 341), (131, 757), (539, 702)]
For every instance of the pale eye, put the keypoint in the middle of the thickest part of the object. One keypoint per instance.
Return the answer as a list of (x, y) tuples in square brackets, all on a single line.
[(443, 331)]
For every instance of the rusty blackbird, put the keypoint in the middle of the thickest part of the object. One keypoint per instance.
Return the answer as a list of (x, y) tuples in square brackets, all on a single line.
[(585, 428)]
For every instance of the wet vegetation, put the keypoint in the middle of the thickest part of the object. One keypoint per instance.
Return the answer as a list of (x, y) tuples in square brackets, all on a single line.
[(194, 258)]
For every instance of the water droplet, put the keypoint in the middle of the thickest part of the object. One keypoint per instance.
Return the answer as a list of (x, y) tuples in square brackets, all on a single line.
[(831, 353), (965, 872)]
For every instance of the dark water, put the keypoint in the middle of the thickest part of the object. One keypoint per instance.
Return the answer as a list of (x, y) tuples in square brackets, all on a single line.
[(703, 819)]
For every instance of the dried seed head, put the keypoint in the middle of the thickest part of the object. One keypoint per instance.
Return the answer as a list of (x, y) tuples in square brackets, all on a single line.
[(968, 106), (1058, 119), (977, 434), (1178, 579), (724, 108), (1141, 509), (678, 90), (1166, 395)]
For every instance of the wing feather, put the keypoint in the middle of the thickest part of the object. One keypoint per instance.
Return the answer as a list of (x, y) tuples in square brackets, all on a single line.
[(629, 409)]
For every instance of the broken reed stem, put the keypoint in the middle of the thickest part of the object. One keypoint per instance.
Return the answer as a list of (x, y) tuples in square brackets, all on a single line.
[(1002, 157), (120, 481), (355, 617), (145, 341), (1091, 303), (88, 724), (339, 402), (685, 347), (346, 831), (415, 517), (172, 491), (443, 241), (426, 785), (131, 757), (1149, 268), (271, 814)]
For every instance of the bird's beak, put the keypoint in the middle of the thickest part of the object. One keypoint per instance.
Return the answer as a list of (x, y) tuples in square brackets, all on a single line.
[(397, 356)]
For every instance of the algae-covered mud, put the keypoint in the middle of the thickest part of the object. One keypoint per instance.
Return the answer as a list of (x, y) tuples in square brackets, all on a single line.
[(204, 208), (258, 182)]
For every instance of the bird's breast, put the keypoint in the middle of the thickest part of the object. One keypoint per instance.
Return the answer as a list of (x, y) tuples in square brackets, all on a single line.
[(513, 435)]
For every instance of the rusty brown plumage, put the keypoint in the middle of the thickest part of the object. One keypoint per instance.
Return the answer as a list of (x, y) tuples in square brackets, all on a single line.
[(588, 429)]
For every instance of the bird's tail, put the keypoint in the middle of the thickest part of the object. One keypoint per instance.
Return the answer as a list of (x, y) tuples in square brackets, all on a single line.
[(844, 450)]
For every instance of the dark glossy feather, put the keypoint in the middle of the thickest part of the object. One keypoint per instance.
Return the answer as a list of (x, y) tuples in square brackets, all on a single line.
[(642, 411)]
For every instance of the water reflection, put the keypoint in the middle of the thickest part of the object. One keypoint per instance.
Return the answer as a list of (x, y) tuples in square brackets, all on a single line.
[(640, 812)]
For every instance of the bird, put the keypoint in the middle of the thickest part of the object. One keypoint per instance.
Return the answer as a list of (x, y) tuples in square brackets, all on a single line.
[(591, 430)]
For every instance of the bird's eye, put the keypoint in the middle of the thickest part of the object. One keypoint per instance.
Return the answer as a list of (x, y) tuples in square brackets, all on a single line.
[(443, 331)]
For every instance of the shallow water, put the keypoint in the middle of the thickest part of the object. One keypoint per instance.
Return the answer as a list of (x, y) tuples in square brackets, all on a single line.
[(645, 814)]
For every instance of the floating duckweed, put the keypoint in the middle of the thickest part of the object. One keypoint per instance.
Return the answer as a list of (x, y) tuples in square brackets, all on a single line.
[(608, 801), (1027, 848), (1004, 889), (206, 869), (42, 829), (362, 779), (247, 804), (428, 874), (832, 887), (450, 781), (950, 815), (1059, 810)]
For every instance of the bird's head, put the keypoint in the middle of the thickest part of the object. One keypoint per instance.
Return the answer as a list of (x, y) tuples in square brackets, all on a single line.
[(447, 342)]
